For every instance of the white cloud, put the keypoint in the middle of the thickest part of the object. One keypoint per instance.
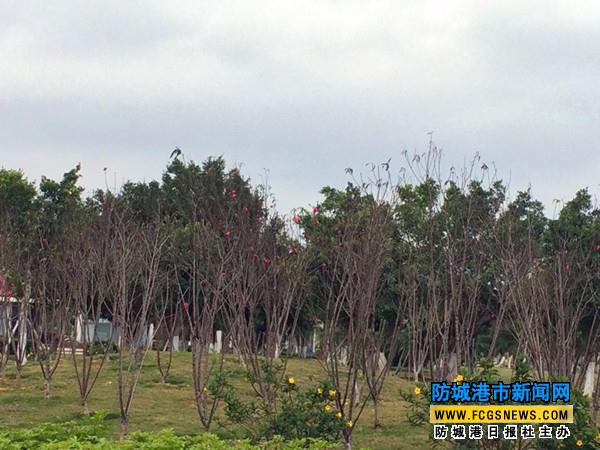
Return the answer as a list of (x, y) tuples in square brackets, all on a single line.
[(302, 88)]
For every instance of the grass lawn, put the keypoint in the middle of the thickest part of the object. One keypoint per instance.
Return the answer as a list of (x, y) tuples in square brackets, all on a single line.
[(171, 405)]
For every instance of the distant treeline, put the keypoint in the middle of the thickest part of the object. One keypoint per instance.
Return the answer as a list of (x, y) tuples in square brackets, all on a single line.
[(425, 271)]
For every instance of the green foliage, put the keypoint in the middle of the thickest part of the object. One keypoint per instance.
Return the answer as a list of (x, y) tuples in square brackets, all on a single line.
[(307, 414), (418, 404), (17, 197), (59, 198), (74, 434), (91, 433), (299, 414), (522, 369), (191, 192), (100, 348)]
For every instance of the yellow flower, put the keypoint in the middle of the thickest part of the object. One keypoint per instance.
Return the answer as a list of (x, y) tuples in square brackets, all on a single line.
[(579, 443), (349, 424), (459, 378), (291, 380), (338, 415), (331, 393), (328, 407), (204, 389), (319, 391), (417, 390), (598, 437)]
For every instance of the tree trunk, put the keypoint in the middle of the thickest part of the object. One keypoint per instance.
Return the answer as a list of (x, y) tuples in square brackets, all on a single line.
[(376, 420), (160, 370), (164, 371), (85, 408), (123, 425), (4, 356), (347, 442), (46, 389)]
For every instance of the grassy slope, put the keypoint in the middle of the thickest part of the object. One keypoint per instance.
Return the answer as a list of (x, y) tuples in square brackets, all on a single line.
[(171, 405)]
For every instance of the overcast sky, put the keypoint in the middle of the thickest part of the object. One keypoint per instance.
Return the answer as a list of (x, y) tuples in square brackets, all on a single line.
[(303, 89)]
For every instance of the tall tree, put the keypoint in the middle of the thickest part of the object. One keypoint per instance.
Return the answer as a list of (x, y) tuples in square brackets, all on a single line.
[(18, 219)]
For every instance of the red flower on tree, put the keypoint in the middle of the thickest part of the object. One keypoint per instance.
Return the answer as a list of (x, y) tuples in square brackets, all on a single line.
[(297, 219), (315, 211), (233, 195), (227, 233), (186, 306), (267, 260)]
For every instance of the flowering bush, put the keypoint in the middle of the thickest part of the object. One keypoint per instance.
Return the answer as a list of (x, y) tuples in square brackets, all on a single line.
[(311, 413), (298, 415)]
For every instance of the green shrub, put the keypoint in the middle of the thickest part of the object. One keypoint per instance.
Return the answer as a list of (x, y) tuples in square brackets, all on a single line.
[(90, 434), (299, 414)]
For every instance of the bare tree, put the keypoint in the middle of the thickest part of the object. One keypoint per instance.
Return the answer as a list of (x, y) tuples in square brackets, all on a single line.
[(6, 296), (380, 350), (168, 317), (552, 310), (87, 275), (352, 283), (49, 316), (204, 268), (5, 323), (448, 255), (265, 295), (17, 260), (16, 256), (135, 283)]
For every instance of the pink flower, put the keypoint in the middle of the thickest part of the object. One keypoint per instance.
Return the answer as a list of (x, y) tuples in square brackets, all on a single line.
[(227, 233), (233, 195), (315, 210), (186, 306), (267, 260), (598, 247), (245, 210), (297, 219)]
